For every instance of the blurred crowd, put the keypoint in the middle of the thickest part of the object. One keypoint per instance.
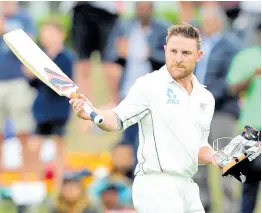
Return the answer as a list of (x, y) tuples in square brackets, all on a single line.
[(129, 47)]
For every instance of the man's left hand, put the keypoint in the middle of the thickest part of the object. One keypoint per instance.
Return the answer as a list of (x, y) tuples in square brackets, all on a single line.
[(214, 162)]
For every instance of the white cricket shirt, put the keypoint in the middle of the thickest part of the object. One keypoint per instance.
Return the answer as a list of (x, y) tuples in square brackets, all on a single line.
[(173, 125)]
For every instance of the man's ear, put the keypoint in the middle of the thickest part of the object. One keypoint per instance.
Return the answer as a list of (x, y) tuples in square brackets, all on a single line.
[(165, 48), (199, 55)]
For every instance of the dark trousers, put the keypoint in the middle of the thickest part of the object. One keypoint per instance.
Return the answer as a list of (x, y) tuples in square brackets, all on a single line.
[(130, 135), (249, 197)]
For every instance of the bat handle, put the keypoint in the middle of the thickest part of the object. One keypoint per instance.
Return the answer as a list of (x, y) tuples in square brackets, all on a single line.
[(98, 119)]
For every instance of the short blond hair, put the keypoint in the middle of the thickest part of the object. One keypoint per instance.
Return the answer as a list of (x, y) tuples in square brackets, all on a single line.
[(57, 24), (186, 30)]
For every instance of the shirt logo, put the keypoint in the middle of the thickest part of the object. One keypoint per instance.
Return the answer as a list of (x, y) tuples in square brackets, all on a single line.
[(172, 99), (61, 83), (203, 107)]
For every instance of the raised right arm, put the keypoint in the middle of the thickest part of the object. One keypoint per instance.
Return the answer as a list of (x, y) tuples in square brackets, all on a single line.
[(127, 113)]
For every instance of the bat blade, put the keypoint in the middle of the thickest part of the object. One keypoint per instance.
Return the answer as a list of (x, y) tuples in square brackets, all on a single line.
[(39, 63), (44, 68)]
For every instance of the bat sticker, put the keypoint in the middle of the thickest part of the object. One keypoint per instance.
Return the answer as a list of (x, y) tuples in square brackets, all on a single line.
[(61, 83)]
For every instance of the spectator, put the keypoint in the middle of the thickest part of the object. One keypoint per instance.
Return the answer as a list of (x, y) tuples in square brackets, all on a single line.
[(123, 188), (121, 176), (137, 45), (92, 24), (123, 157), (245, 77), (218, 52), (249, 17), (16, 96), (110, 202), (72, 197), (231, 9), (51, 111), (186, 11)]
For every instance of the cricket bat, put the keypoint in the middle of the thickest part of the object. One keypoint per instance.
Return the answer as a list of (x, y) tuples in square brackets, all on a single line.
[(44, 68)]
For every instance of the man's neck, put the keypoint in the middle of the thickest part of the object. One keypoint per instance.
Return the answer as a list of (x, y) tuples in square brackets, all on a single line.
[(52, 52), (187, 83), (145, 23)]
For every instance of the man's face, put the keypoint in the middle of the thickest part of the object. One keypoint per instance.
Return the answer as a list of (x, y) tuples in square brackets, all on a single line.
[(50, 36), (71, 192), (181, 56), (210, 25), (109, 199), (9, 8), (144, 10), (210, 20)]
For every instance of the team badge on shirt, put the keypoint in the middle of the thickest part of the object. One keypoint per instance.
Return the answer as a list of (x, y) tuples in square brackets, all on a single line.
[(172, 98), (203, 107)]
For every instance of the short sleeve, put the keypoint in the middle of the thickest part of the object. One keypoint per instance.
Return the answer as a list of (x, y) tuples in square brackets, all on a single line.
[(135, 106)]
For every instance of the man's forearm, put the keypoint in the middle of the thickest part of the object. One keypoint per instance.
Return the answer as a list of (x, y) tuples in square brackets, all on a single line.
[(205, 155), (239, 87), (112, 122)]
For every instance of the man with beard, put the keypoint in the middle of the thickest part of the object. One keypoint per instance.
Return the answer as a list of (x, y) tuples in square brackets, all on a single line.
[(174, 112)]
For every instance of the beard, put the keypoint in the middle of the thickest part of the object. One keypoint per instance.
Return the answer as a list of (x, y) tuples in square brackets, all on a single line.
[(180, 72)]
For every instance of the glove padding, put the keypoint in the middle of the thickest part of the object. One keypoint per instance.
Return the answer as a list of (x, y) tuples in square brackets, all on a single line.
[(241, 158)]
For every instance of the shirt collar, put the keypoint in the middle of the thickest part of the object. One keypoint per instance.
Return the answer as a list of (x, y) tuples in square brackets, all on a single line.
[(147, 30), (168, 78)]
